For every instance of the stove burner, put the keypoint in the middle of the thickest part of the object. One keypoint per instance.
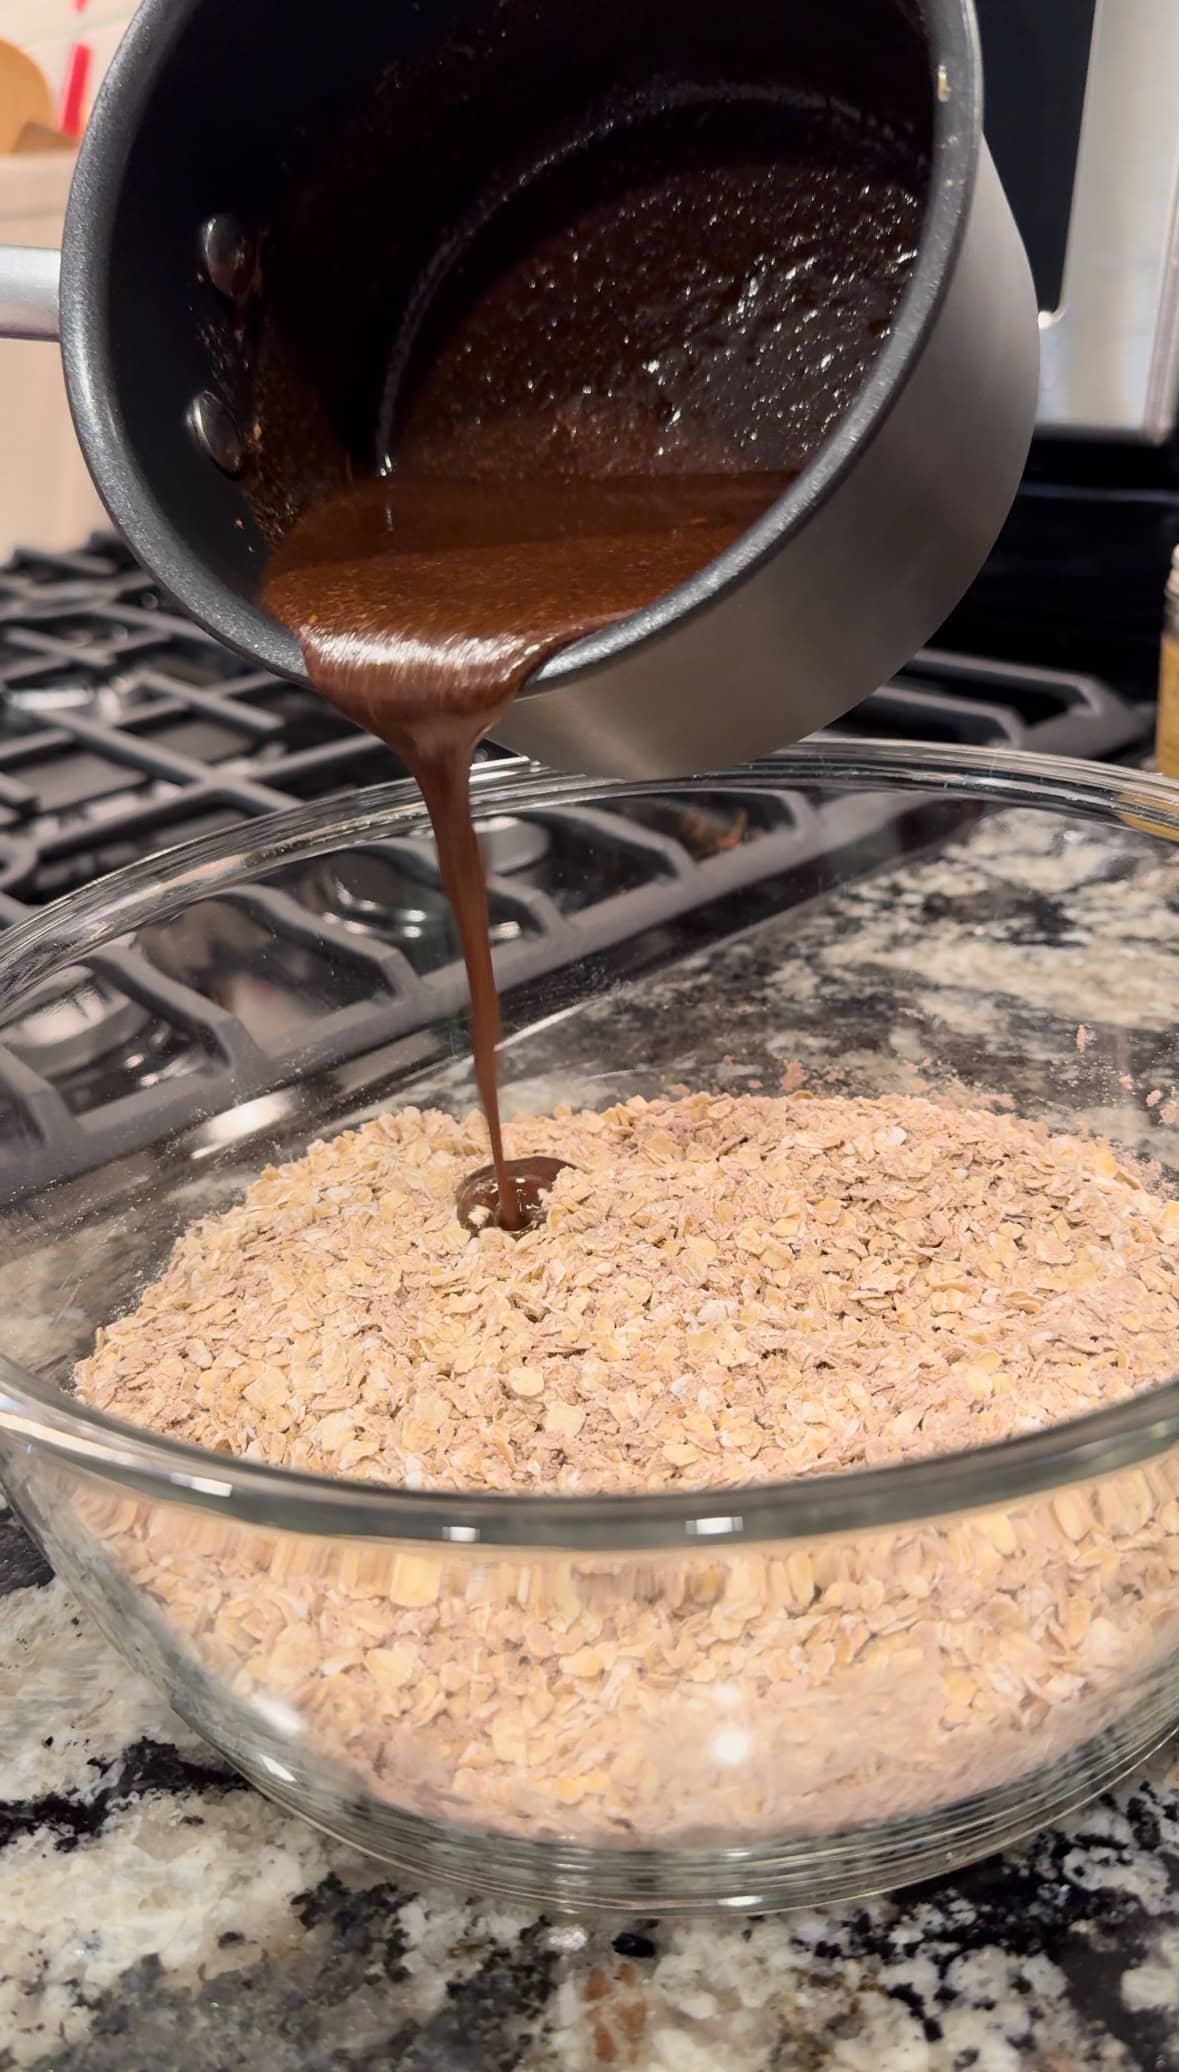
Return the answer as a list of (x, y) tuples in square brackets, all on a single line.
[(394, 893), (378, 894), (506, 844), (93, 1044), (76, 1019)]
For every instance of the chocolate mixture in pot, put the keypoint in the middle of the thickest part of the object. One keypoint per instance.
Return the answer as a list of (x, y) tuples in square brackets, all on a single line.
[(600, 386)]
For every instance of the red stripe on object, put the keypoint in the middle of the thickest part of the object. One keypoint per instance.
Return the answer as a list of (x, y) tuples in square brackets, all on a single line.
[(72, 111)]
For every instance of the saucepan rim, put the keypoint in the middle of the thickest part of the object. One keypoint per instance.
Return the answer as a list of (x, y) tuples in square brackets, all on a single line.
[(240, 621)]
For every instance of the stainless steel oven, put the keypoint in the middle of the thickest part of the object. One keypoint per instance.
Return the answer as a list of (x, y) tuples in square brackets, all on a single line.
[(1082, 115)]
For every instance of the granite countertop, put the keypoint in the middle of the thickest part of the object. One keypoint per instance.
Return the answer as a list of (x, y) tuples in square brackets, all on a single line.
[(159, 1912)]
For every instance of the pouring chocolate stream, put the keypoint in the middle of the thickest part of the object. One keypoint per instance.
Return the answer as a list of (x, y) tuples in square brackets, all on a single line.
[(421, 607), (597, 403)]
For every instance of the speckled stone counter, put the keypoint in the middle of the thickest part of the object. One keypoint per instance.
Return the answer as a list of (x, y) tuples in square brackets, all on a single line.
[(157, 1912)]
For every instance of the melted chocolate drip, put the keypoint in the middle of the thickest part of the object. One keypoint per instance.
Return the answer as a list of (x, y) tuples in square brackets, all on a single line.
[(529, 1181), (422, 606)]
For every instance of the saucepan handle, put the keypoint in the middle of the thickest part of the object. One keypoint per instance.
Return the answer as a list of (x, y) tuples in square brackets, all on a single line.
[(28, 291)]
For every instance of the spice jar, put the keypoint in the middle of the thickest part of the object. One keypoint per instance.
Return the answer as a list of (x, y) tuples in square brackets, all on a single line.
[(1167, 729)]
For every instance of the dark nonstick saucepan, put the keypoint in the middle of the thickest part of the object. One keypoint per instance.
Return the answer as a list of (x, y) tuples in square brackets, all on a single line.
[(261, 184)]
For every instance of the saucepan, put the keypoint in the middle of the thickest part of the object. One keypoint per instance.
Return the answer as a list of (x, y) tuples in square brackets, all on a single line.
[(199, 254)]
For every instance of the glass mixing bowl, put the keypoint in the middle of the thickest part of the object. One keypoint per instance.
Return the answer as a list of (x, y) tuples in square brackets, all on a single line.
[(798, 1691)]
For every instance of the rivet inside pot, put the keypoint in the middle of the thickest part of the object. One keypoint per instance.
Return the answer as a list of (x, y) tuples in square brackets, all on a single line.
[(227, 256), (214, 431)]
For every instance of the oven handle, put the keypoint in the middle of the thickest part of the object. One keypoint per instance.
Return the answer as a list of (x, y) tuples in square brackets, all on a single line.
[(29, 278)]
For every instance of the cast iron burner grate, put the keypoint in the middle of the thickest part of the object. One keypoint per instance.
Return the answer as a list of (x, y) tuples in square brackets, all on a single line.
[(125, 729)]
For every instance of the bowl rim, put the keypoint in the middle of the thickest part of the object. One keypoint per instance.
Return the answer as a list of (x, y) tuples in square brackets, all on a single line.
[(35, 1417)]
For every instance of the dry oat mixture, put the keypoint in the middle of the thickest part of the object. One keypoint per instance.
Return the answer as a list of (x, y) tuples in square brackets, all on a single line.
[(725, 1290)]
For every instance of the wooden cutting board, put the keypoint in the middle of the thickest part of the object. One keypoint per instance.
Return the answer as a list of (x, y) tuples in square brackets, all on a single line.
[(24, 96)]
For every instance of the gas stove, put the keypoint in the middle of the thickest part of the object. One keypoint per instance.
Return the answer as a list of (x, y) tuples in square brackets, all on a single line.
[(124, 729)]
